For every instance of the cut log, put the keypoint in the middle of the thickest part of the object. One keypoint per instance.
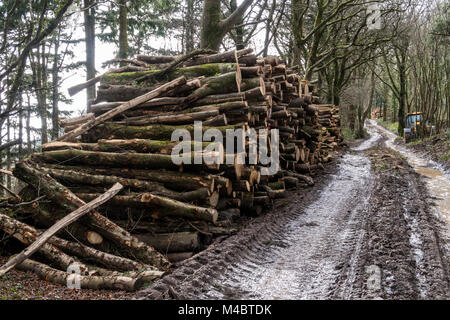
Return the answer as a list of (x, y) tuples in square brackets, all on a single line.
[(70, 202), (220, 120), (155, 59), (222, 107), (27, 235), (88, 282), (229, 56), (170, 179), (75, 89), (157, 102), (109, 159), (308, 180), (131, 104), (154, 132), (201, 195), (221, 84), (162, 206), (136, 145), (172, 242), (175, 119), (76, 121), (149, 78), (67, 220)]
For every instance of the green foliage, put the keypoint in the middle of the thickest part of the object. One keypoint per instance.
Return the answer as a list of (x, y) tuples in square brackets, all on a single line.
[(348, 134), (391, 126), (146, 19)]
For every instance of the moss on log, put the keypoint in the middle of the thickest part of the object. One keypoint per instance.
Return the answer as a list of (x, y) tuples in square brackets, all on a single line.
[(207, 70), (156, 132)]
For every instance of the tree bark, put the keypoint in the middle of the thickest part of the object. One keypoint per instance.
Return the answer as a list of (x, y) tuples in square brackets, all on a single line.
[(67, 220), (123, 29), (130, 104), (27, 236), (172, 242), (213, 28), (222, 84), (70, 202), (89, 282), (163, 206), (156, 132), (79, 178), (175, 119), (170, 179), (89, 31)]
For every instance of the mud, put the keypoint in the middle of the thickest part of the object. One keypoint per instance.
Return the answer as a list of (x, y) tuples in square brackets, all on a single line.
[(404, 240), (437, 149), (366, 230)]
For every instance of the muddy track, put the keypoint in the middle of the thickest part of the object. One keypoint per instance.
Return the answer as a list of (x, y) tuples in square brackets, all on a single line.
[(354, 235), (299, 250), (405, 242)]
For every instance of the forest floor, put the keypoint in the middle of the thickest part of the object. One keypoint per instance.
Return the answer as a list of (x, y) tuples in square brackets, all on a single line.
[(368, 229), (18, 285)]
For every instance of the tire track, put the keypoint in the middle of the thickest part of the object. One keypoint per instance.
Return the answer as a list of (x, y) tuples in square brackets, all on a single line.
[(299, 252)]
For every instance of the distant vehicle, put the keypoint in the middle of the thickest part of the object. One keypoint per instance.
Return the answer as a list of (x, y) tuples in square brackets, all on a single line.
[(413, 122)]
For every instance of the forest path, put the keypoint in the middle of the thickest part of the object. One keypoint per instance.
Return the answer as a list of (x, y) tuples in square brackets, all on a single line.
[(436, 177)]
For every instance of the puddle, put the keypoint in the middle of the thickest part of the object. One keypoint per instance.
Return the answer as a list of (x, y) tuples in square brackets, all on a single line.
[(438, 182)]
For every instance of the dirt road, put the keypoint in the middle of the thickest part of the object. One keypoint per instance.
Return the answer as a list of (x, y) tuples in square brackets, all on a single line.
[(367, 230)]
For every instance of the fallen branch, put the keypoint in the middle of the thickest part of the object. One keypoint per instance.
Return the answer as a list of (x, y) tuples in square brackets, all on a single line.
[(10, 144), (79, 87), (10, 192)]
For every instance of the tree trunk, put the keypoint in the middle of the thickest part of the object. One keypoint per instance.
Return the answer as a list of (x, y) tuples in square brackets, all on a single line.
[(105, 259), (211, 34), (55, 90), (154, 132), (175, 119), (189, 27), (89, 31), (123, 29), (28, 235), (88, 282), (170, 179), (222, 84), (213, 29), (163, 206), (172, 242)]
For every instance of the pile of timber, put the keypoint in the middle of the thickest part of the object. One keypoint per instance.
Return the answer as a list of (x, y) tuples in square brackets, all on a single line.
[(167, 212)]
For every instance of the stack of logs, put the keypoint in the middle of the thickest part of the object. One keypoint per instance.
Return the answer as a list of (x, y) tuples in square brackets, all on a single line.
[(167, 212)]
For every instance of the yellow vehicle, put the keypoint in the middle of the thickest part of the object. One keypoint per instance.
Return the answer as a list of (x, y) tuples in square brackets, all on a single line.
[(413, 123)]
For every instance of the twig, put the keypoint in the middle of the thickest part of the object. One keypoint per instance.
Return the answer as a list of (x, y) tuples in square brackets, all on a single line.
[(10, 192)]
